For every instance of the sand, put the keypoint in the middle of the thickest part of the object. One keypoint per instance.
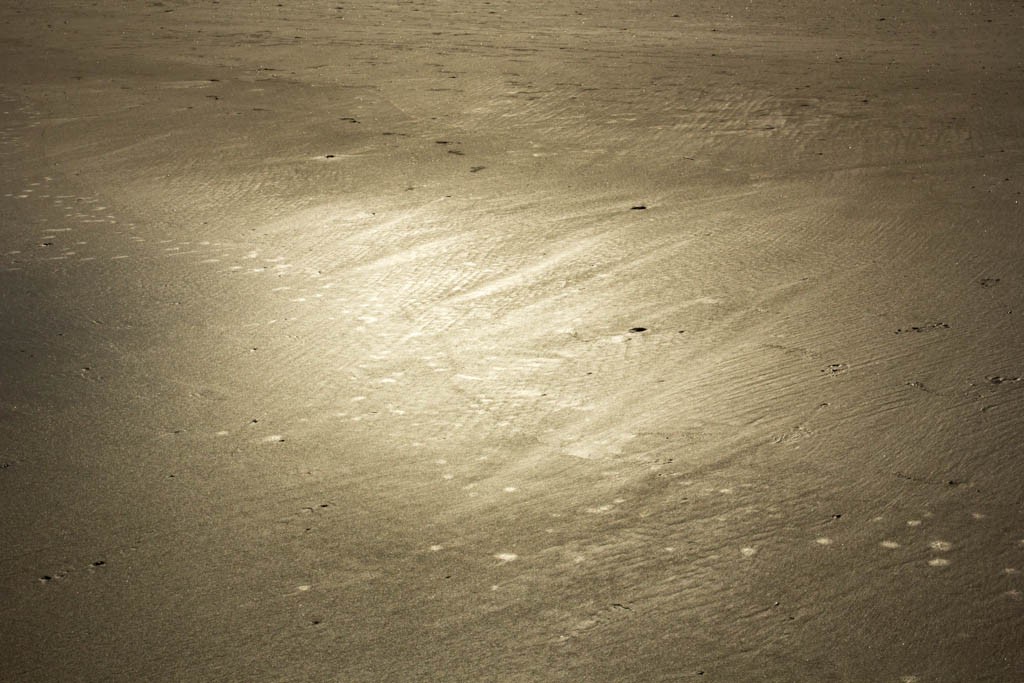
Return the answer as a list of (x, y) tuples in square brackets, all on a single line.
[(493, 341)]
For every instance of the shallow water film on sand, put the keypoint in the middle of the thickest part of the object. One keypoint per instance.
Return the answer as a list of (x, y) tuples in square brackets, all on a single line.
[(494, 341)]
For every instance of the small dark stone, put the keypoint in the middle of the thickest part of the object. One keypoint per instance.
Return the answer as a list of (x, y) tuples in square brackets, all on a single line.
[(638, 329), (638, 207), (328, 156)]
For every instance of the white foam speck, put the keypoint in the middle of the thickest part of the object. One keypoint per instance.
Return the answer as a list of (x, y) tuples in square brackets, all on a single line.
[(889, 544), (748, 552), (823, 541), (941, 546), (436, 548), (506, 557), (913, 522), (938, 562)]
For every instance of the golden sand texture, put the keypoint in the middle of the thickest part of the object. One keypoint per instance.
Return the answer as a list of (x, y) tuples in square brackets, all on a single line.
[(511, 341)]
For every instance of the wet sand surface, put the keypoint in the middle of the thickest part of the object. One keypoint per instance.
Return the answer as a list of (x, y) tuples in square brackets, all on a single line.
[(494, 341)]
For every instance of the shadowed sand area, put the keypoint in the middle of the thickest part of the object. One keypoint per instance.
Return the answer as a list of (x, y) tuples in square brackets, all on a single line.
[(494, 341)]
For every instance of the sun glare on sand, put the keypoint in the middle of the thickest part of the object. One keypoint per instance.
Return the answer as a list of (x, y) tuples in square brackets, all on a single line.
[(490, 340)]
